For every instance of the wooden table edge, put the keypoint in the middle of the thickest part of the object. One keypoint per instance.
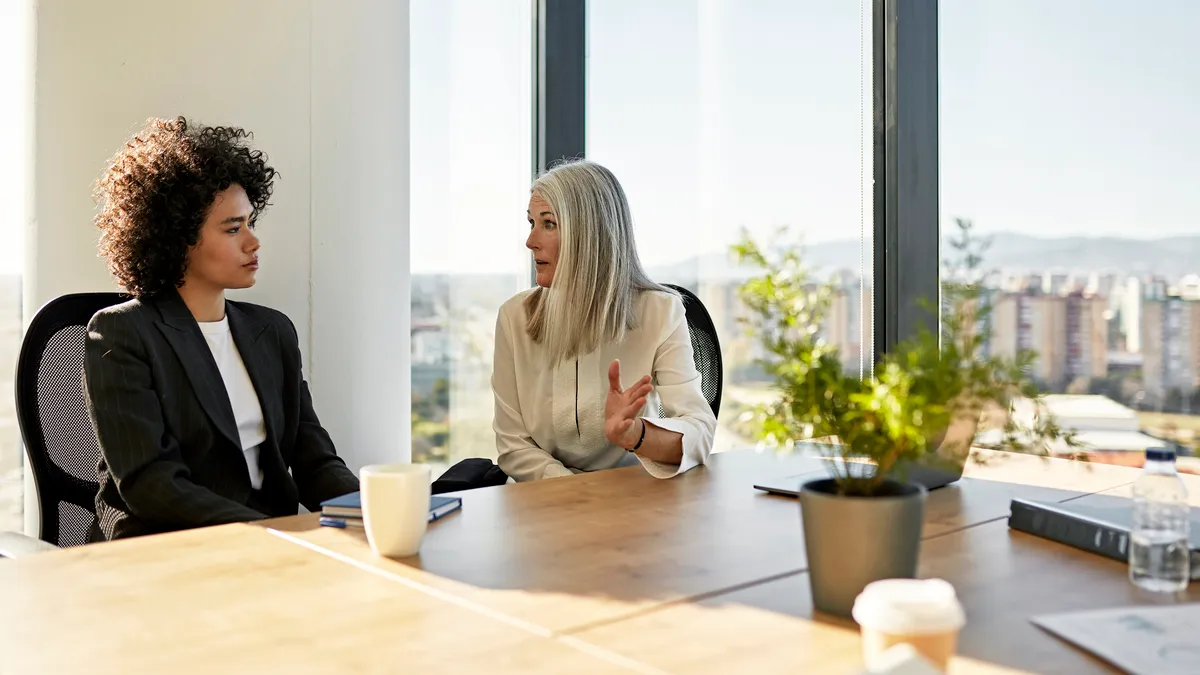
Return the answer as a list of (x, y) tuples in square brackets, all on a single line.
[(493, 614)]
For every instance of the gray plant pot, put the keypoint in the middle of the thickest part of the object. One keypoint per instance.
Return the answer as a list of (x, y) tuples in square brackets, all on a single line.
[(852, 541)]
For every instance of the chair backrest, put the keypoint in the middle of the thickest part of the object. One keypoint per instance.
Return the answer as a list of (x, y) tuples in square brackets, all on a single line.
[(52, 412), (705, 347)]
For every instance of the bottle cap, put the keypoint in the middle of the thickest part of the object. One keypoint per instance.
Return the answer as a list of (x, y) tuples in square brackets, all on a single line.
[(1160, 455)]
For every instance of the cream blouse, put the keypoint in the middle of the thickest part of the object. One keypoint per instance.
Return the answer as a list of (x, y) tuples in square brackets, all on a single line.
[(549, 422)]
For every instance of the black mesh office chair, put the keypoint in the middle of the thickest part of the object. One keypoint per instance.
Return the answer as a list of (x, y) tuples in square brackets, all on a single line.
[(705, 347), (52, 412)]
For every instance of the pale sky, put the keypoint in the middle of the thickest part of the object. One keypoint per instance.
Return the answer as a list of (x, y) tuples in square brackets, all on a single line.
[(1071, 116), (1058, 117)]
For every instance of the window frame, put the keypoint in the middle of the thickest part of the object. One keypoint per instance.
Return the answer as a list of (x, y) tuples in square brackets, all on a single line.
[(906, 243)]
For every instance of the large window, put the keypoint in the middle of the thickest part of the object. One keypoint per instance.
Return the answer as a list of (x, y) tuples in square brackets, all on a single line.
[(471, 169), (13, 43), (722, 115), (1067, 138)]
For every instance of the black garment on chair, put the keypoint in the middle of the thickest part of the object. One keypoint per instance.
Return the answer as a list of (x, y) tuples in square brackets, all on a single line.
[(468, 475), (53, 416)]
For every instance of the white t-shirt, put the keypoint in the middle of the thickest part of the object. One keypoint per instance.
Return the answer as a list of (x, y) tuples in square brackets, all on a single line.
[(247, 412)]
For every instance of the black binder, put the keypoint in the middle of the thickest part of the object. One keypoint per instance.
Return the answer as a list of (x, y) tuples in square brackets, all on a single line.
[(1098, 529)]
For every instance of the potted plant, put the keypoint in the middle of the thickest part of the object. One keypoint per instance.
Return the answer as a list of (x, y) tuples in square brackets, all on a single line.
[(921, 402)]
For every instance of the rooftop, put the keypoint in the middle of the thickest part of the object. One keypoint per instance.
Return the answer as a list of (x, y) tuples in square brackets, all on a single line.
[(1081, 413)]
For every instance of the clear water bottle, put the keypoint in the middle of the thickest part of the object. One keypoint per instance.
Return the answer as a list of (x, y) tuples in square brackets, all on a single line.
[(1158, 547)]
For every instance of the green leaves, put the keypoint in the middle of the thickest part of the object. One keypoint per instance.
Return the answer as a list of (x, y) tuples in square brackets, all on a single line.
[(904, 409)]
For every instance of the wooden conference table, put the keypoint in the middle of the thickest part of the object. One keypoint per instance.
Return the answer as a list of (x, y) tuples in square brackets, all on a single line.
[(612, 571)]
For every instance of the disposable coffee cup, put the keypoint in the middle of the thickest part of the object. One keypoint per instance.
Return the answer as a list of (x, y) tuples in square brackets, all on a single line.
[(923, 613)]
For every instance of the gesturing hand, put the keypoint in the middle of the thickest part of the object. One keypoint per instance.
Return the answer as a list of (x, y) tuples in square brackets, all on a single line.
[(621, 408)]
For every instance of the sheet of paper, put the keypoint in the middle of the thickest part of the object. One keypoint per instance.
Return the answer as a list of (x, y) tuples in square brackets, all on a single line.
[(1155, 640)]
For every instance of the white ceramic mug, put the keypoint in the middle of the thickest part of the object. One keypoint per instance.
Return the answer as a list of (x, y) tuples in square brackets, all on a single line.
[(395, 503)]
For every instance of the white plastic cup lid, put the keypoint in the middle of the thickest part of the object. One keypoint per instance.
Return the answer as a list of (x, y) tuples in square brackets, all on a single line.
[(909, 607)]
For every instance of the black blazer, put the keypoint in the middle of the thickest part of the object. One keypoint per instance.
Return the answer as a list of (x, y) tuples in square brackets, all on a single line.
[(171, 457)]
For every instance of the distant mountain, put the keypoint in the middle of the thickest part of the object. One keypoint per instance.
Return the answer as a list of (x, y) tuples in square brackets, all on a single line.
[(827, 257), (1172, 257)]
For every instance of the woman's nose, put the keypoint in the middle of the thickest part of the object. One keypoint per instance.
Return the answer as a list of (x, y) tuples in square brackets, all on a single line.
[(530, 242)]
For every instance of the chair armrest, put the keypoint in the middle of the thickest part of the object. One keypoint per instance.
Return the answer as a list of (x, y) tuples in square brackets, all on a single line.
[(14, 544)]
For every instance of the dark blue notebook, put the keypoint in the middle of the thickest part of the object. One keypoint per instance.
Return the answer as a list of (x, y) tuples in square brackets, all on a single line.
[(350, 506)]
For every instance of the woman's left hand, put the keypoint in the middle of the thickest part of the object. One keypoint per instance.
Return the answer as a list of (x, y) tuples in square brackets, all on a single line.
[(621, 408)]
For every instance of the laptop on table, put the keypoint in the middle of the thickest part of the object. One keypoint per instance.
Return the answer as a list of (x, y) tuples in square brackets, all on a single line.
[(929, 475), (936, 469)]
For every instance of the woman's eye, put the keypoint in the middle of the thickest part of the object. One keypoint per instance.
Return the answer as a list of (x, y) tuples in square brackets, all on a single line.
[(234, 230)]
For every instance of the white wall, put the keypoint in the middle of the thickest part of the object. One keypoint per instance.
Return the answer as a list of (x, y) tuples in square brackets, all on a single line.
[(359, 209), (323, 84)]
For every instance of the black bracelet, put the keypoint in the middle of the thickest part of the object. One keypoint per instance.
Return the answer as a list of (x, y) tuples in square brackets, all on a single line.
[(643, 437)]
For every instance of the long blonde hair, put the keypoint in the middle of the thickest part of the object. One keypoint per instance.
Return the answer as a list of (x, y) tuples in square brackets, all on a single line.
[(593, 297)]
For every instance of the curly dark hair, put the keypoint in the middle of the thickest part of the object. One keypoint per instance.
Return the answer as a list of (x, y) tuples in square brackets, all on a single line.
[(156, 192)]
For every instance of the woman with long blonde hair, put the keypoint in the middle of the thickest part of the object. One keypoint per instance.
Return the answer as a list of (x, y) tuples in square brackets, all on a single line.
[(584, 359)]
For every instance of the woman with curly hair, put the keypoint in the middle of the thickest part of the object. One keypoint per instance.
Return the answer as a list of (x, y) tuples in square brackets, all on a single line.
[(199, 403)]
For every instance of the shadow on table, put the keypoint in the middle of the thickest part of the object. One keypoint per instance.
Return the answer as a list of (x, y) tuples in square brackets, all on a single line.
[(632, 542), (1003, 578)]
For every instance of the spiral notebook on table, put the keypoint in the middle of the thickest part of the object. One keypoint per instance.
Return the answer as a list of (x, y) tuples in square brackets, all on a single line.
[(348, 509)]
